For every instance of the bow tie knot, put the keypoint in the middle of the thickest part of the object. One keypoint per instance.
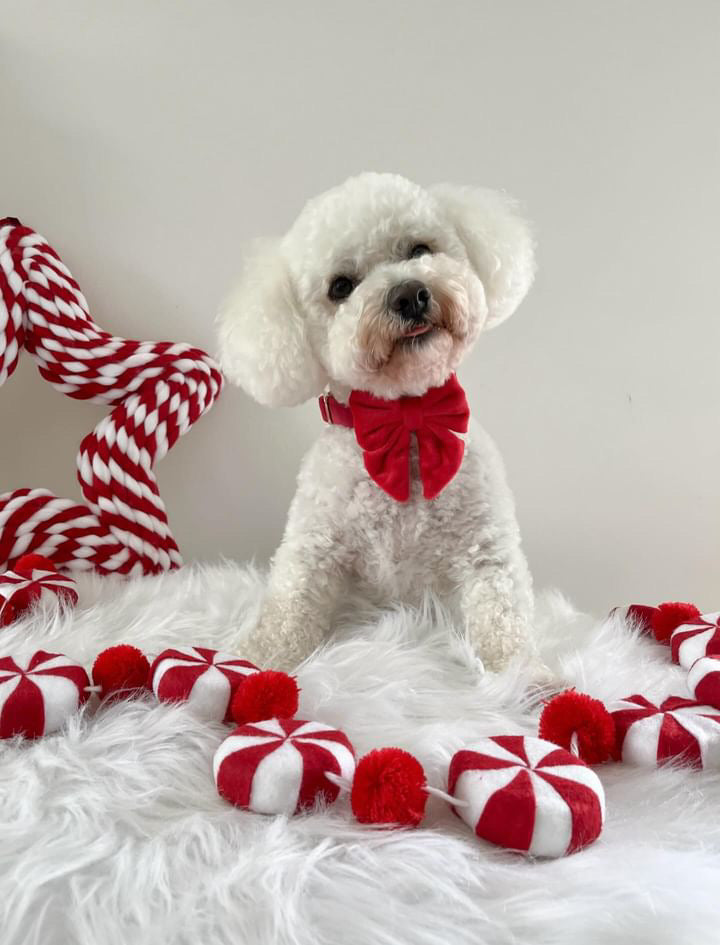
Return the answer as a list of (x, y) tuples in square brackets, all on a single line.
[(384, 428), (412, 414)]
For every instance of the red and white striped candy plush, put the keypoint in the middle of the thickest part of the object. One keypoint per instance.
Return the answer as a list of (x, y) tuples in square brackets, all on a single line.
[(39, 694), (22, 588), (205, 679), (280, 766), (704, 680), (527, 794), (679, 730), (696, 638)]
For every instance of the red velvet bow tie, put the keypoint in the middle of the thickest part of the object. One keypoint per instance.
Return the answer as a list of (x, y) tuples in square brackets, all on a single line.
[(383, 429)]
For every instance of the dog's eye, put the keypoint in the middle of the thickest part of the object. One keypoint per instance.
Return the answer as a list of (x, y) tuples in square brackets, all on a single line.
[(340, 288), (420, 249)]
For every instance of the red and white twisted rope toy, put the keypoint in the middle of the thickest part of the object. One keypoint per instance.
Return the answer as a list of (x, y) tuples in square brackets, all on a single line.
[(157, 389)]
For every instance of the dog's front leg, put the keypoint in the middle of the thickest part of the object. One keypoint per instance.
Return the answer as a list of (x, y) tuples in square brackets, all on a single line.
[(306, 579), (496, 603)]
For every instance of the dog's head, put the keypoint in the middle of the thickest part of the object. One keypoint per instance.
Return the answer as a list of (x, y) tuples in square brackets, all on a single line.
[(379, 285)]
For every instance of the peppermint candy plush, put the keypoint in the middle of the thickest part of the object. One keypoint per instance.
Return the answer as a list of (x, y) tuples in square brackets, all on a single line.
[(698, 637), (205, 679), (527, 794), (280, 766), (704, 680), (679, 730), (39, 694), (33, 578)]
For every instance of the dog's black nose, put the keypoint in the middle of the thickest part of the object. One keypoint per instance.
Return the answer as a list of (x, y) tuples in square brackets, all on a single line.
[(409, 300)]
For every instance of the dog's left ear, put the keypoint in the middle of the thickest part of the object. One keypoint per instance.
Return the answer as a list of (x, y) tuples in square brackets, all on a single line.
[(498, 241)]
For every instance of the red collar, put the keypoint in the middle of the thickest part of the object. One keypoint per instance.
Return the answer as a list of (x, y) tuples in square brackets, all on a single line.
[(335, 413), (383, 430)]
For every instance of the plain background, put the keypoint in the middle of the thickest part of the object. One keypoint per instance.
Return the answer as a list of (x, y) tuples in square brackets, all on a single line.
[(148, 140)]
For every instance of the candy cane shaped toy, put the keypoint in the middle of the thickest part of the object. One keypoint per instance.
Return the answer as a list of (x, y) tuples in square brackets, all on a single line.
[(157, 391)]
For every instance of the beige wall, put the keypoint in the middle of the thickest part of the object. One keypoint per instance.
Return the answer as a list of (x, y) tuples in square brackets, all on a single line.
[(148, 139)]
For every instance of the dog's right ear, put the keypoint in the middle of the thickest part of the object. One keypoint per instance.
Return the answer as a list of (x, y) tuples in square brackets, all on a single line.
[(264, 344)]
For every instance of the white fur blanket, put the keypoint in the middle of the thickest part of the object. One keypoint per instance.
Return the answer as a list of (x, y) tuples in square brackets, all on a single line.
[(112, 831)]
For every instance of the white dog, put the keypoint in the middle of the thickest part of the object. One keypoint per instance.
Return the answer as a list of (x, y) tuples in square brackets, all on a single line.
[(374, 296)]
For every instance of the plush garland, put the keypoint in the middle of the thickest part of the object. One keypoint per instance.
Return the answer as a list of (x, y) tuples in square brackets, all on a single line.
[(681, 730), (157, 391), (537, 796), (521, 792)]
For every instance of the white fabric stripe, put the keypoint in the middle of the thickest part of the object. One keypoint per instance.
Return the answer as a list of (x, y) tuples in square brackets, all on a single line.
[(312, 728), (694, 647), (210, 695), (223, 658), (234, 743), (60, 700), (552, 830), (271, 726), (641, 741), (538, 748), (8, 685), (276, 781)]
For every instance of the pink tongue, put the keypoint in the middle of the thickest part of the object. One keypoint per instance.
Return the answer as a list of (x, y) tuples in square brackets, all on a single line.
[(420, 330)]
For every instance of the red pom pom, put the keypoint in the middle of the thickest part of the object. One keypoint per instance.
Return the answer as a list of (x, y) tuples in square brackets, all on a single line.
[(389, 788), (669, 616), (29, 563), (572, 713), (265, 695), (120, 669)]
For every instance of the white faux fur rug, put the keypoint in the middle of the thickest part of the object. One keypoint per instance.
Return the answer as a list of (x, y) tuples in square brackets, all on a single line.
[(112, 831)]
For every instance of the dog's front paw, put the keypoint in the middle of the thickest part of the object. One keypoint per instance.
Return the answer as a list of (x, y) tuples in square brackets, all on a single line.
[(500, 637), (279, 642)]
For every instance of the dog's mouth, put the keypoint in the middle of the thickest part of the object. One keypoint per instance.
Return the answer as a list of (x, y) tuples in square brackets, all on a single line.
[(419, 330), (419, 335)]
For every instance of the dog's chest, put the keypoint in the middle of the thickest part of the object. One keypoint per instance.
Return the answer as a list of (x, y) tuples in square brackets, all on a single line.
[(401, 546)]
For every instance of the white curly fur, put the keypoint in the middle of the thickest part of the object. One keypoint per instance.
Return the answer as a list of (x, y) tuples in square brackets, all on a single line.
[(285, 340)]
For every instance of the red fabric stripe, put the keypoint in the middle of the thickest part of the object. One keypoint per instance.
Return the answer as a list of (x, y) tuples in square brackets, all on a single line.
[(314, 784), (327, 735), (676, 742), (624, 718), (465, 760), (558, 757), (178, 681), (707, 690), (23, 712), (236, 772), (508, 818), (515, 744)]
